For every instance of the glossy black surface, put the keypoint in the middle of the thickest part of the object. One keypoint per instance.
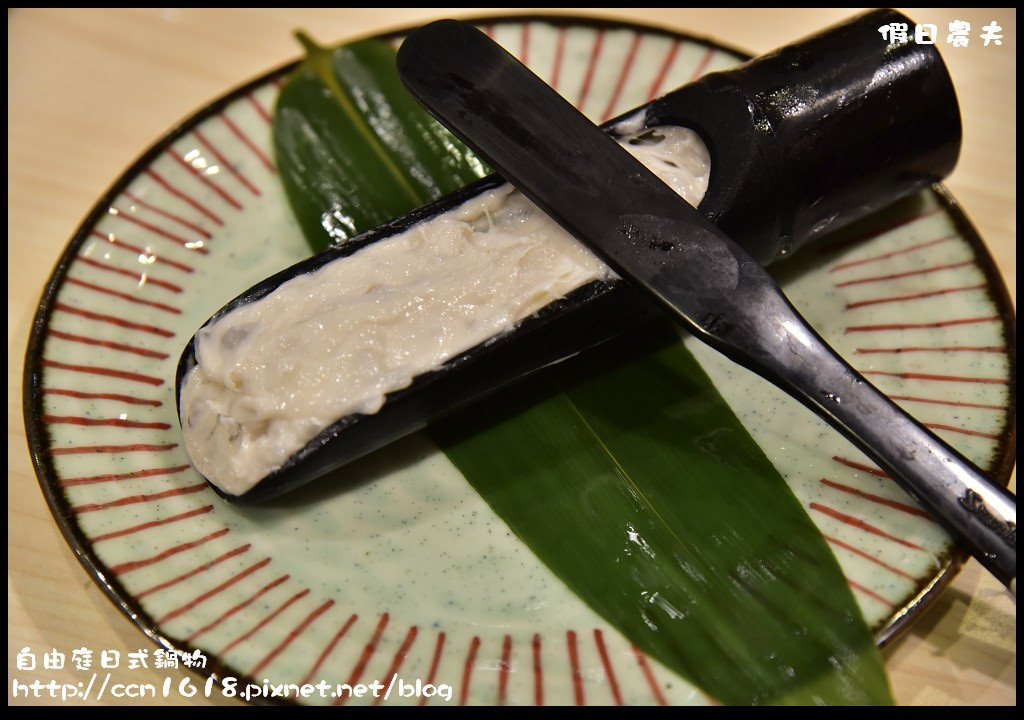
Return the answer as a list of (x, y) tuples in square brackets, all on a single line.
[(819, 133), (707, 282), (738, 191)]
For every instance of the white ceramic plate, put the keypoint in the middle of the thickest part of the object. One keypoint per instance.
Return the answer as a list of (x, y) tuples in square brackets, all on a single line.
[(353, 586)]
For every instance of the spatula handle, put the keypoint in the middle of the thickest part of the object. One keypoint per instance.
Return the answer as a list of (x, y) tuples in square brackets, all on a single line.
[(780, 346)]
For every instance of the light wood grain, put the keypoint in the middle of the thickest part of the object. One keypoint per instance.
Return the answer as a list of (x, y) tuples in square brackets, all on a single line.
[(88, 90)]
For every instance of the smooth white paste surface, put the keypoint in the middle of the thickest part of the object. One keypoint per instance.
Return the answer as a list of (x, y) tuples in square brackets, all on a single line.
[(274, 373)]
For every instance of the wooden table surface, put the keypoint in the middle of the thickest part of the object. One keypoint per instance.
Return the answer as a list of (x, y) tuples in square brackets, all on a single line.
[(88, 90)]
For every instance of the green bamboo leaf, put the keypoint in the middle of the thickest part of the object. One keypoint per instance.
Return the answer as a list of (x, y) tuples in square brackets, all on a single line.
[(431, 159), (625, 472), (354, 149), (642, 491)]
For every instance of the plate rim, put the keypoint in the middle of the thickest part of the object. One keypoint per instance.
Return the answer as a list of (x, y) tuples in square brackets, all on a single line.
[(38, 439)]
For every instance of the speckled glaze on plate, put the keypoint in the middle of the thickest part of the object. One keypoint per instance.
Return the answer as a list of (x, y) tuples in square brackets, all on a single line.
[(399, 566)]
